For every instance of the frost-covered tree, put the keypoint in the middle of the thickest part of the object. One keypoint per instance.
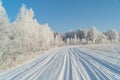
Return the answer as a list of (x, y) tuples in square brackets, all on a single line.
[(83, 41), (112, 35), (75, 39), (56, 40), (67, 41), (78, 41), (95, 36), (101, 38), (70, 34), (4, 22), (71, 41), (4, 31), (92, 34), (119, 37), (47, 36), (82, 34), (26, 29)]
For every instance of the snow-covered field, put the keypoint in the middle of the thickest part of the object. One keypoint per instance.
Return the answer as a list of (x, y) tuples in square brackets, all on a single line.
[(97, 62)]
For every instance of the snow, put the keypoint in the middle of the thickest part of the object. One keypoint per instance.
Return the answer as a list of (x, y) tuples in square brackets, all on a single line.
[(24, 38), (90, 62)]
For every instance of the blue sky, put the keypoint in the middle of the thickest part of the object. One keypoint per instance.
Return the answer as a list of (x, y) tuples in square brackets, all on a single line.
[(64, 15)]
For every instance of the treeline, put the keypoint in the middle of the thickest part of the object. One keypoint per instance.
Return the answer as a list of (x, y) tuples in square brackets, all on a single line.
[(87, 36)]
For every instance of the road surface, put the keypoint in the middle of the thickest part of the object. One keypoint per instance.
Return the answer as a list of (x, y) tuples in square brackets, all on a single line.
[(70, 63)]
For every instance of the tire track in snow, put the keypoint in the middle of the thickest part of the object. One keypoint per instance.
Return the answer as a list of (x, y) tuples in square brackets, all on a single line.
[(71, 63), (108, 72), (35, 69), (89, 68), (109, 66), (94, 71)]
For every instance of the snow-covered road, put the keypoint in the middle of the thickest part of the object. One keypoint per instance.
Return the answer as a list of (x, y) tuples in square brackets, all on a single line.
[(70, 63)]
